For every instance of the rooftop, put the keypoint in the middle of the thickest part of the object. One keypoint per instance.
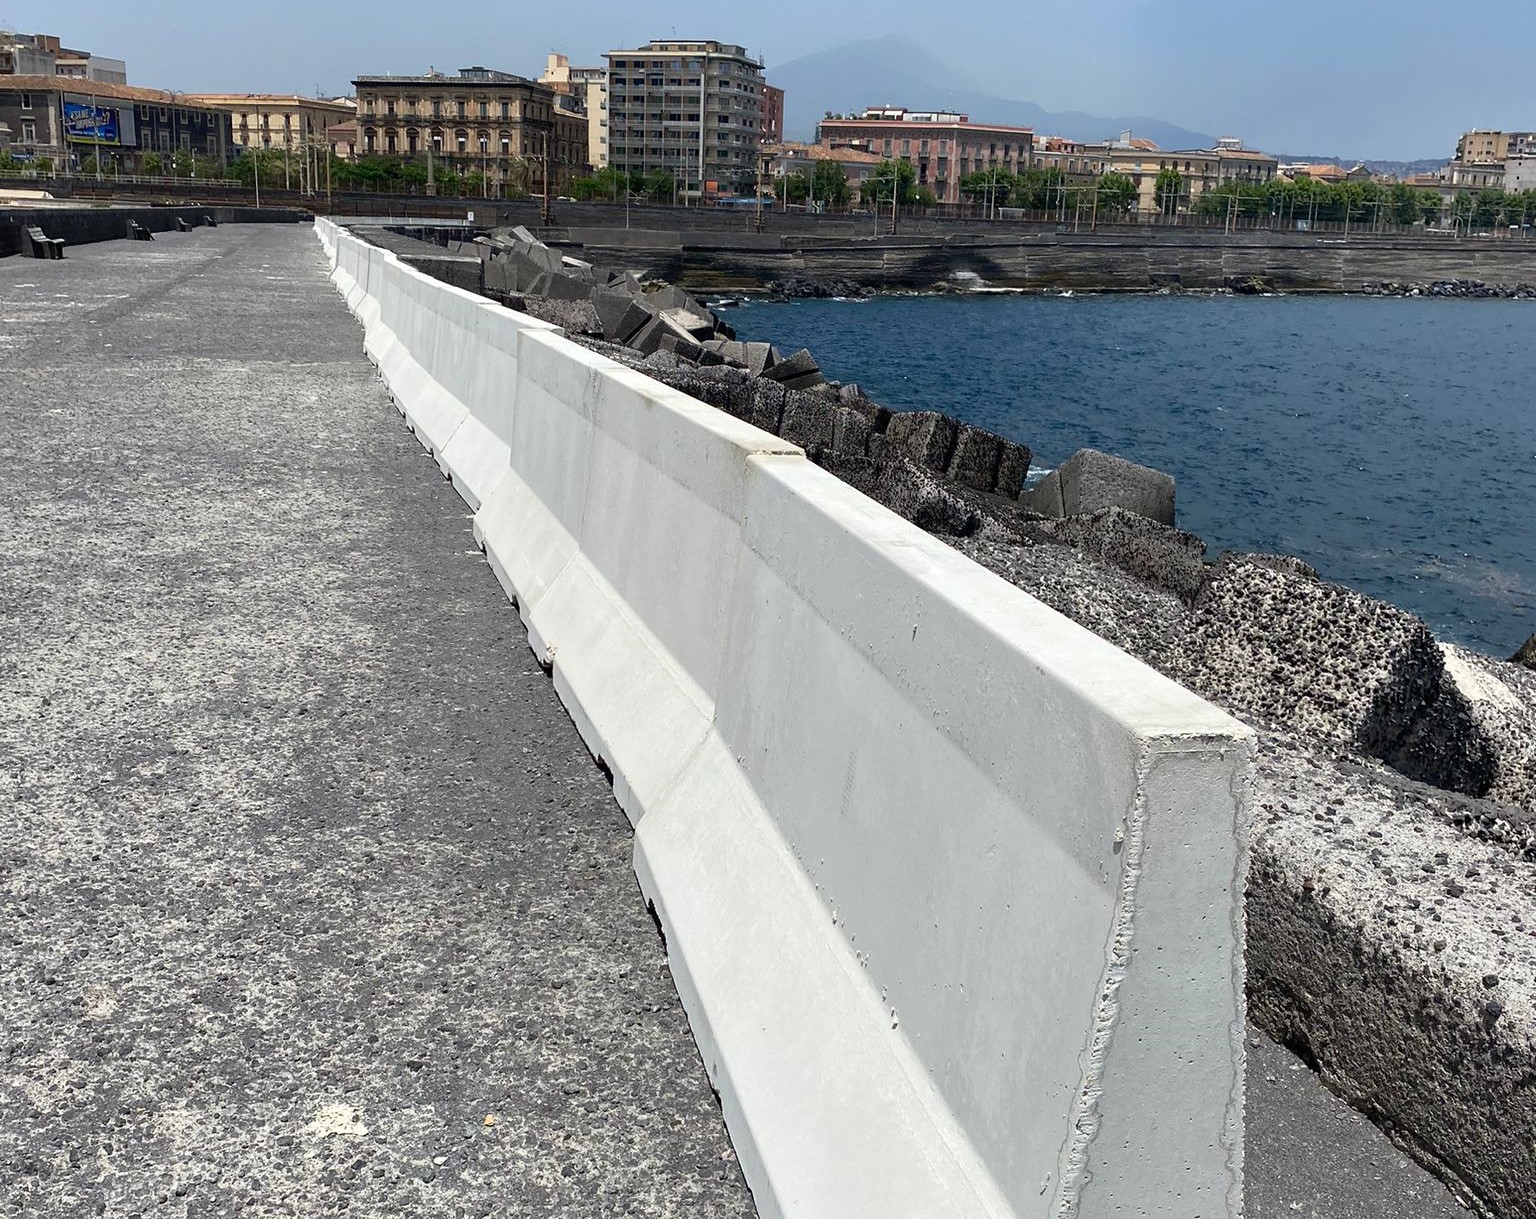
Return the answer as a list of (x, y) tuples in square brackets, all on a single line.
[(93, 88), (465, 76)]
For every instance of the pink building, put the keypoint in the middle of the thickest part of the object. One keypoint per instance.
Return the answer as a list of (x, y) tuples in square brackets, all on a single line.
[(941, 146)]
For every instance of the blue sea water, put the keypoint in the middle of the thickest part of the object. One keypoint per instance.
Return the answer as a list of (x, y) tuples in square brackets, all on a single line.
[(1391, 443)]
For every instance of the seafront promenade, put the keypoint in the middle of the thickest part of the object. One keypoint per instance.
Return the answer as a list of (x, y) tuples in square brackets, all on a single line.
[(313, 899)]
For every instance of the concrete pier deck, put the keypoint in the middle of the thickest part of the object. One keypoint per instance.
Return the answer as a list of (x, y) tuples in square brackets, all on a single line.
[(311, 900)]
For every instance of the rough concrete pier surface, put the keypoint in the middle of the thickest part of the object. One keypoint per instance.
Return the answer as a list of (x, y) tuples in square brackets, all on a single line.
[(311, 900)]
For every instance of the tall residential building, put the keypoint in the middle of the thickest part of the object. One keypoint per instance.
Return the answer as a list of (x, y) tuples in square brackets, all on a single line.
[(588, 88), (278, 120), (482, 120), (941, 146), (1480, 147), (44, 55), (691, 107)]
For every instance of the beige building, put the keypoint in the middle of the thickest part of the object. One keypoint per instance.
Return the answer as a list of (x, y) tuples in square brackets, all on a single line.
[(1487, 147), (691, 107), (1200, 169), (480, 120), (588, 88), (795, 158), (278, 120), (942, 146)]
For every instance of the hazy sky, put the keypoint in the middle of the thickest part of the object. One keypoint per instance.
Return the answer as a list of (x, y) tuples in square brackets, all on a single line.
[(1302, 76)]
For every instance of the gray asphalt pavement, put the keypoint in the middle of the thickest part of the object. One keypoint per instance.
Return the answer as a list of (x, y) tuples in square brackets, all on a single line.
[(311, 901)]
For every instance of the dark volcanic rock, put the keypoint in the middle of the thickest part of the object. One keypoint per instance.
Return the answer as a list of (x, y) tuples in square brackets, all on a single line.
[(906, 489), (1137, 618), (576, 317), (1527, 654), (1334, 664), (1169, 559), (926, 437)]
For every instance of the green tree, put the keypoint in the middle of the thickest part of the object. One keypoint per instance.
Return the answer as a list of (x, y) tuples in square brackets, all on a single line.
[(829, 184), (995, 185), (878, 186), (151, 164), (1116, 193), (795, 187), (1168, 190), (1037, 189)]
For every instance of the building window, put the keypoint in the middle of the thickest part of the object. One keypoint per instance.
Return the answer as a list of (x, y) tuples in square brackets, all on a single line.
[(485, 110), (26, 101), (460, 105), (506, 111), (29, 132)]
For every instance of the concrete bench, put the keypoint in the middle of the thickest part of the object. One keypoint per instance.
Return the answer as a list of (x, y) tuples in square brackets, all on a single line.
[(210, 222), (40, 245), (182, 225), (138, 232)]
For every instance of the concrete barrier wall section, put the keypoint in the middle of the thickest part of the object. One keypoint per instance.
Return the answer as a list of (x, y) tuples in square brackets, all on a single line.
[(952, 889)]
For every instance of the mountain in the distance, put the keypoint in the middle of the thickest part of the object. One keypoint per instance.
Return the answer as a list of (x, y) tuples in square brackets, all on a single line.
[(891, 71)]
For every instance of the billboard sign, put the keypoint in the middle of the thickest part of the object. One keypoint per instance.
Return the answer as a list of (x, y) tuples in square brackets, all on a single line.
[(86, 122)]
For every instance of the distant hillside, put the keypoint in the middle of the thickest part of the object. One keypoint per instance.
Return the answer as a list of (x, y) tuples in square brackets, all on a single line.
[(894, 72)]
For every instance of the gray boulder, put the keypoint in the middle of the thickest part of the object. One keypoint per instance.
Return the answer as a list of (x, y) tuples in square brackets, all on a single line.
[(1090, 480)]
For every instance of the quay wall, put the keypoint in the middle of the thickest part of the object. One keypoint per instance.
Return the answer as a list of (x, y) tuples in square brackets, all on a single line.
[(1062, 262), (951, 888)]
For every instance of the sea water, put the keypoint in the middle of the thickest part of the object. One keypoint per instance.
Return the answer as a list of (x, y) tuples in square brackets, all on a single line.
[(1389, 442)]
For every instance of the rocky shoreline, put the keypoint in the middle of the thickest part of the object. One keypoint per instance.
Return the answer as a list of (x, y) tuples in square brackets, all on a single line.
[(1392, 897)]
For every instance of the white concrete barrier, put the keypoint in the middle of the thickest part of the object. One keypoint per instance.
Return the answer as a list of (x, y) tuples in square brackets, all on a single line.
[(951, 887)]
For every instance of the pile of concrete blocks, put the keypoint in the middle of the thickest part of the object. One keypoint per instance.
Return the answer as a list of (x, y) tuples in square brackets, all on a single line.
[(927, 459)]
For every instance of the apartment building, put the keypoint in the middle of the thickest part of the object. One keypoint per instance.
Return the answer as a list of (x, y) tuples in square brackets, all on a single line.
[(480, 120), (278, 120), (69, 122), (588, 88), (44, 55), (942, 146), (1486, 147), (691, 107)]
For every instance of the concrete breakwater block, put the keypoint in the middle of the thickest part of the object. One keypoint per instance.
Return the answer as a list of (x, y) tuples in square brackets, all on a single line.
[(1166, 558), (798, 371), (1327, 661), (1090, 480), (1395, 952)]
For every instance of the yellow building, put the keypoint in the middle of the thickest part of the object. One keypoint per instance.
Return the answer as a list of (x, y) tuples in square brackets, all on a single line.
[(588, 88), (507, 127), (278, 120)]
